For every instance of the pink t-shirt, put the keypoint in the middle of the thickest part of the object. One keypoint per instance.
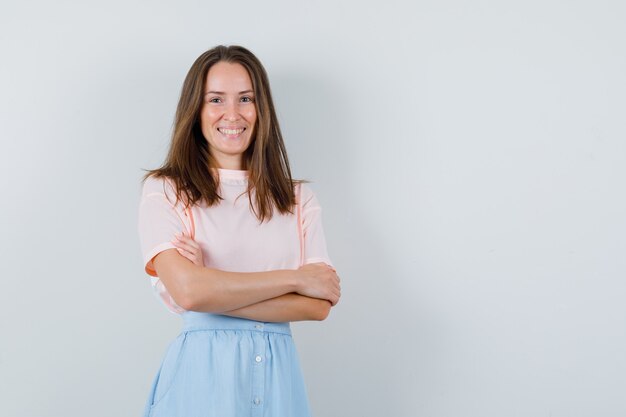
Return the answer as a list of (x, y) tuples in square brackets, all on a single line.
[(229, 233)]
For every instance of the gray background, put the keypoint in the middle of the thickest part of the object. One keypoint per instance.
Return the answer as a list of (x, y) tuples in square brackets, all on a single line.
[(469, 156)]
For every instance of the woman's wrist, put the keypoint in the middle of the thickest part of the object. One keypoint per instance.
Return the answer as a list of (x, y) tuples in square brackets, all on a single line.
[(292, 280)]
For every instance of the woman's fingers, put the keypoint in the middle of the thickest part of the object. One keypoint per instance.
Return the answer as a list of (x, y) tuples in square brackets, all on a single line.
[(186, 254), (191, 256), (188, 248), (185, 242), (319, 280), (335, 294)]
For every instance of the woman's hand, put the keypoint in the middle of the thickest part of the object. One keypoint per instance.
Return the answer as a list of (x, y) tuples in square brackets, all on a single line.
[(319, 280), (189, 248)]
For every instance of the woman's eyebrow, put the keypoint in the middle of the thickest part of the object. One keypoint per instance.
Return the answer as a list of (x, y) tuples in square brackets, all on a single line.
[(222, 93)]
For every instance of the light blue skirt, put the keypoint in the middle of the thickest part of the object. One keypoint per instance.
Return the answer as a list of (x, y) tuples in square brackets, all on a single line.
[(222, 366)]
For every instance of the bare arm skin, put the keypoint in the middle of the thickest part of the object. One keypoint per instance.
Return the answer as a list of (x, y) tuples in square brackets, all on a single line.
[(197, 288), (287, 307)]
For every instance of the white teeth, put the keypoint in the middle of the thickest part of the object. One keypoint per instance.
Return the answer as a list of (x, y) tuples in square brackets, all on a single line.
[(230, 131)]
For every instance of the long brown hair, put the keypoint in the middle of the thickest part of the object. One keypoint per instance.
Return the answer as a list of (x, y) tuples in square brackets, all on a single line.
[(189, 158)]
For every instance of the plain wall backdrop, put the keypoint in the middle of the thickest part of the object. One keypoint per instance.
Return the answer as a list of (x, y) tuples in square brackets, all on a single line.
[(469, 156)]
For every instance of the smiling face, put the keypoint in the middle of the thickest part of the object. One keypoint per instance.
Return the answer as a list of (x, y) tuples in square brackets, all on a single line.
[(228, 114)]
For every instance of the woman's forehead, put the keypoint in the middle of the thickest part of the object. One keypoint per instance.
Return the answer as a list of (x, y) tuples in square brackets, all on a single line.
[(228, 77)]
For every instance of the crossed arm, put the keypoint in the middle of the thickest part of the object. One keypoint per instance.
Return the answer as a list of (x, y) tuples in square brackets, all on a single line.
[(272, 296)]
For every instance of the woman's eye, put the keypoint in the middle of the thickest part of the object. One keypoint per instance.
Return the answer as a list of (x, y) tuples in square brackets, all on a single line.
[(246, 99), (214, 100)]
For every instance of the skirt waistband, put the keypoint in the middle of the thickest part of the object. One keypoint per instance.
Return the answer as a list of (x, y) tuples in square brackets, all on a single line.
[(194, 320)]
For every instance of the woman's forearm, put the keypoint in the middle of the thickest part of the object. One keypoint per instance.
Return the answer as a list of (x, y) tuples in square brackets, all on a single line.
[(198, 288), (217, 291), (287, 307), (203, 289)]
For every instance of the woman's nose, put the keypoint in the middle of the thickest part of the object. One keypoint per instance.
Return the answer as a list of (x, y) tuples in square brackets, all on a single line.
[(231, 111)]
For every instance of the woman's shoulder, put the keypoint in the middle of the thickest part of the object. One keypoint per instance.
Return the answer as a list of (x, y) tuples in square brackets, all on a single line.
[(161, 185), (307, 195)]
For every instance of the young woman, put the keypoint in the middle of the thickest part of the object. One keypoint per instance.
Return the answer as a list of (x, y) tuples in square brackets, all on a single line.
[(235, 246)]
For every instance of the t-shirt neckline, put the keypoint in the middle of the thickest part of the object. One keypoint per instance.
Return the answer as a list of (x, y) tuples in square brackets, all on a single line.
[(233, 173), (232, 176)]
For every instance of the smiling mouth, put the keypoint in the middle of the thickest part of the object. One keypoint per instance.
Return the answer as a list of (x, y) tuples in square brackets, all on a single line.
[(231, 132)]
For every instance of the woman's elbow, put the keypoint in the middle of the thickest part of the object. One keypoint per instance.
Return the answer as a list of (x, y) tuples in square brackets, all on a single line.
[(191, 300), (181, 294), (201, 297), (323, 310), (186, 302), (180, 289)]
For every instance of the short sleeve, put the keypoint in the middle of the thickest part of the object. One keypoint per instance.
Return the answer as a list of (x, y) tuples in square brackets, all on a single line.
[(159, 220), (312, 229)]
